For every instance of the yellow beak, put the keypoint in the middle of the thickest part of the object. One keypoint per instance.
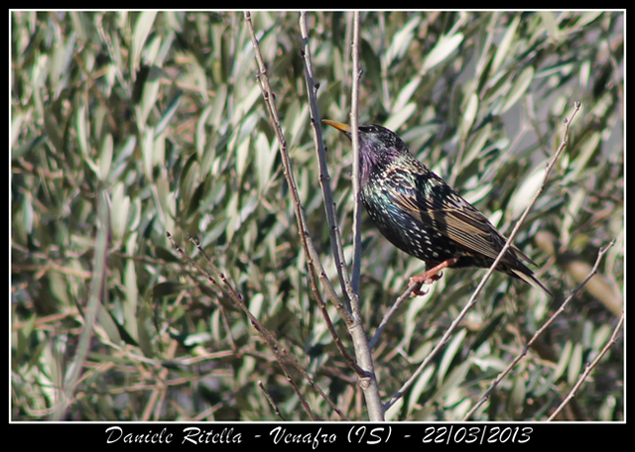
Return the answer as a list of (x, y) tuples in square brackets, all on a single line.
[(338, 125)]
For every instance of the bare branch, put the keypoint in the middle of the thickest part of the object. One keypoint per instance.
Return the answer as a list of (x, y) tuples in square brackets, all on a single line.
[(282, 353), (270, 400), (368, 380), (327, 194), (396, 305), (357, 206), (313, 260), (536, 335), (589, 368)]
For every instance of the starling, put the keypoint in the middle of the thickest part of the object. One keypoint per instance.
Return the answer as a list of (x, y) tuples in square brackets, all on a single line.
[(422, 215)]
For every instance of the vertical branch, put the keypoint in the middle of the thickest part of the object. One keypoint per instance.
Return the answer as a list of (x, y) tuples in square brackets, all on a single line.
[(357, 207), (327, 194), (368, 380), (360, 340), (313, 259)]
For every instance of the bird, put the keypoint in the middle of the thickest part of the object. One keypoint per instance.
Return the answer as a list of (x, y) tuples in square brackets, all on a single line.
[(419, 213)]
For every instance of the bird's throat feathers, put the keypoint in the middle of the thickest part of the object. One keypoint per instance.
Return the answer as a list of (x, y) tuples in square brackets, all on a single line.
[(373, 153)]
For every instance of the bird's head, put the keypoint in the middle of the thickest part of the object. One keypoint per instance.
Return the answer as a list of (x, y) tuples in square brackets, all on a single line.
[(377, 144)]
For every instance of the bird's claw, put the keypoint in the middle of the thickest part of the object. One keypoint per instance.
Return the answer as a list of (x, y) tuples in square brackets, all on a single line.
[(418, 281), (430, 276), (417, 292), (425, 279)]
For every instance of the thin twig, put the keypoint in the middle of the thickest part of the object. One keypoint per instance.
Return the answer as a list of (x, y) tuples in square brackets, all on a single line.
[(393, 309), (589, 368), (313, 259), (472, 300), (238, 300), (357, 200), (279, 350), (327, 195), (270, 400), (282, 353), (537, 334)]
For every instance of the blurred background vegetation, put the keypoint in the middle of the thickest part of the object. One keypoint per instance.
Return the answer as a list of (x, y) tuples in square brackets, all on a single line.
[(159, 117)]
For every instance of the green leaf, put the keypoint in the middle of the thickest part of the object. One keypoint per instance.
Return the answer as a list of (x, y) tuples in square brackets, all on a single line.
[(145, 339), (420, 385), (105, 157), (142, 29), (517, 399), (265, 157), (453, 381), (398, 118), (550, 24), (468, 115), (450, 352), (575, 364), (476, 145), (119, 214), (108, 324), (519, 87), (563, 361), (401, 41), (504, 48), (169, 114), (442, 50)]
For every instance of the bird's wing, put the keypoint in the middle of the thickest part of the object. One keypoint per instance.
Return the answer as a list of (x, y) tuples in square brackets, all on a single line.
[(432, 202)]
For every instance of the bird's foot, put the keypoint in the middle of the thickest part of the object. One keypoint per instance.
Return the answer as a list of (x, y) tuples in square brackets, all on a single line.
[(429, 276)]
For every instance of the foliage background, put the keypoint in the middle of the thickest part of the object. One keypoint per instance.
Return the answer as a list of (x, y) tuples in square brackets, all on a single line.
[(161, 114)]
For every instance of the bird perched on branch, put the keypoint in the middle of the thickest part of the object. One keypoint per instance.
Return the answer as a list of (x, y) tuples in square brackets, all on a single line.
[(421, 215)]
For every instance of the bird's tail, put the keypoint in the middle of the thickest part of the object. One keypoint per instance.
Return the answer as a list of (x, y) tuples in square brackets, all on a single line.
[(530, 279)]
